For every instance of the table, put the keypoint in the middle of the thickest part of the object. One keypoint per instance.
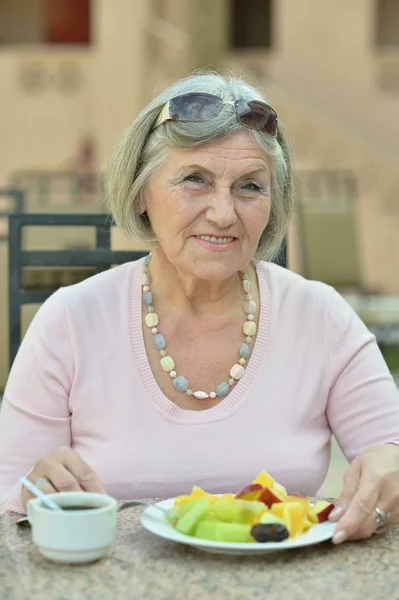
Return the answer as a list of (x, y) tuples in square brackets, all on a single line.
[(142, 566)]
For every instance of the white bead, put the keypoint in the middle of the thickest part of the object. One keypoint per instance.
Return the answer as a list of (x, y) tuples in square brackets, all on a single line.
[(173, 374), (231, 381), (237, 371), (154, 330), (146, 288), (201, 395), (212, 395), (248, 297), (248, 339), (250, 317), (250, 306), (246, 284), (144, 279)]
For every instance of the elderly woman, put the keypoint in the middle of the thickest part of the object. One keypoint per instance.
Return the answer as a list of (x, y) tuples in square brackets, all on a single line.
[(205, 362)]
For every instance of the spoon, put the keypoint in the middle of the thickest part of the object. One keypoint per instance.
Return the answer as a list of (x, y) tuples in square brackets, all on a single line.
[(41, 495), (23, 521), (130, 503)]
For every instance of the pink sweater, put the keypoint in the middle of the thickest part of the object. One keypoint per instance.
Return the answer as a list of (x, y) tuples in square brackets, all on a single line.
[(82, 379)]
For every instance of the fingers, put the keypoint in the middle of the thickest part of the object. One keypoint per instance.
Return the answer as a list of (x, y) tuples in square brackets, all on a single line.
[(45, 486), (84, 475), (63, 470), (351, 484), (357, 521)]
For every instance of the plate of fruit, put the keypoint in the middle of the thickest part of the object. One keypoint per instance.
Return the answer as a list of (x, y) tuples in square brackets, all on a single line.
[(261, 518)]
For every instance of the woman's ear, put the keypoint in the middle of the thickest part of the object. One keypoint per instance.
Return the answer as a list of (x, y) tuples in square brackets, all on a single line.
[(141, 206)]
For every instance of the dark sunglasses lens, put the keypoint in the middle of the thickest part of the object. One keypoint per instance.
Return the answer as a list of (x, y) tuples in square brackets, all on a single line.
[(195, 107), (261, 117)]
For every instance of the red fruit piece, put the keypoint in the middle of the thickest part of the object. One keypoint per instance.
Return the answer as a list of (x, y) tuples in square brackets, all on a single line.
[(251, 492)]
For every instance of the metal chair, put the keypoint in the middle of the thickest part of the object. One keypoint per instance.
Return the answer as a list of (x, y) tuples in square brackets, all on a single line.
[(16, 198), (101, 258), (11, 199)]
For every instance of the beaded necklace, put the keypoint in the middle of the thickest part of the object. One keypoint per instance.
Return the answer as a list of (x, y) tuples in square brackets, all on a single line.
[(180, 383)]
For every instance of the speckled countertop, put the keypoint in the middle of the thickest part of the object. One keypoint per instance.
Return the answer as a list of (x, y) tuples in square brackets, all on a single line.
[(141, 565)]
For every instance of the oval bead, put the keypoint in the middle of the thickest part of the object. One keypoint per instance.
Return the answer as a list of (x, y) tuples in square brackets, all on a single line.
[(237, 371), (245, 351), (159, 341), (167, 363), (201, 395), (246, 284), (144, 279), (249, 327), (180, 383), (151, 320), (148, 298), (250, 306), (222, 389)]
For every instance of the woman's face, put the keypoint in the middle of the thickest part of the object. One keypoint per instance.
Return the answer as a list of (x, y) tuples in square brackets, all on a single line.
[(208, 206)]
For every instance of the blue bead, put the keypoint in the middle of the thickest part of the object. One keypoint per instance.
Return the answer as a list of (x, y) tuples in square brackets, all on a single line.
[(222, 389), (159, 341), (245, 351), (180, 383), (147, 260), (148, 298)]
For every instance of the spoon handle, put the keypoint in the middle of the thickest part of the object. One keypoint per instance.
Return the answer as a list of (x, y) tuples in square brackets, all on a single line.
[(39, 494)]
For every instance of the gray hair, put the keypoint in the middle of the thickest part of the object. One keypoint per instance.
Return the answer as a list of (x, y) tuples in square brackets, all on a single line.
[(140, 152)]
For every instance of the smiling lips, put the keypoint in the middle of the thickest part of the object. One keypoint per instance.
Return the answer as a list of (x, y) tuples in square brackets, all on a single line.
[(215, 240)]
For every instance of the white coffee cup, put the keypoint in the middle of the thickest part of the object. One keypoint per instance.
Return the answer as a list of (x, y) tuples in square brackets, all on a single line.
[(74, 536)]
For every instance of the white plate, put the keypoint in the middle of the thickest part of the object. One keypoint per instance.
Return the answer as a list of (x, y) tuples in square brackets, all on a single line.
[(154, 521)]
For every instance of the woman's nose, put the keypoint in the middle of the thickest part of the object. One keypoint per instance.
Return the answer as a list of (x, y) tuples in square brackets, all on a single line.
[(221, 210)]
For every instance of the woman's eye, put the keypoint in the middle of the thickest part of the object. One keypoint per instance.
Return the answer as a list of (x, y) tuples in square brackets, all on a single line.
[(195, 178), (250, 186)]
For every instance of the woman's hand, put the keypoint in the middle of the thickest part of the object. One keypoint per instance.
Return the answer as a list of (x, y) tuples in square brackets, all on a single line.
[(371, 481), (62, 470)]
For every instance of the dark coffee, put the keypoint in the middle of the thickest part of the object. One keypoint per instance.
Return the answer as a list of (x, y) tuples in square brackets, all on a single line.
[(79, 507)]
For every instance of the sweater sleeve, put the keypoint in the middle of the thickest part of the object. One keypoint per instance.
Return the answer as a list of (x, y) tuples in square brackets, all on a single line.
[(363, 402), (35, 416)]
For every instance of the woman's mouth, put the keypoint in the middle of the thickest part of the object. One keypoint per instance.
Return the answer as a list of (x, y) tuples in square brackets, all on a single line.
[(216, 243), (215, 240)]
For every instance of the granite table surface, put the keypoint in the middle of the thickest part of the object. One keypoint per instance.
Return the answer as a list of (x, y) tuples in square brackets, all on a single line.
[(141, 565)]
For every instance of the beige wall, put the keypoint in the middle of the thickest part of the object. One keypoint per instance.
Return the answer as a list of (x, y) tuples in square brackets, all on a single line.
[(118, 69), (326, 57), (323, 74), (41, 127)]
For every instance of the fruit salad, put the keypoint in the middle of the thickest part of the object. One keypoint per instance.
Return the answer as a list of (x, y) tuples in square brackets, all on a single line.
[(261, 512)]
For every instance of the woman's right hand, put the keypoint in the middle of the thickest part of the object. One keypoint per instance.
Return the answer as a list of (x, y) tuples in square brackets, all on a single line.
[(62, 470)]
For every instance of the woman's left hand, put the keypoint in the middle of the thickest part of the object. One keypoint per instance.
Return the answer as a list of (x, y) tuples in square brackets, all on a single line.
[(371, 481)]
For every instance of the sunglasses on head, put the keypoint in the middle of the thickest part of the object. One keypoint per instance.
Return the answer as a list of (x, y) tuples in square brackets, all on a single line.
[(200, 107)]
